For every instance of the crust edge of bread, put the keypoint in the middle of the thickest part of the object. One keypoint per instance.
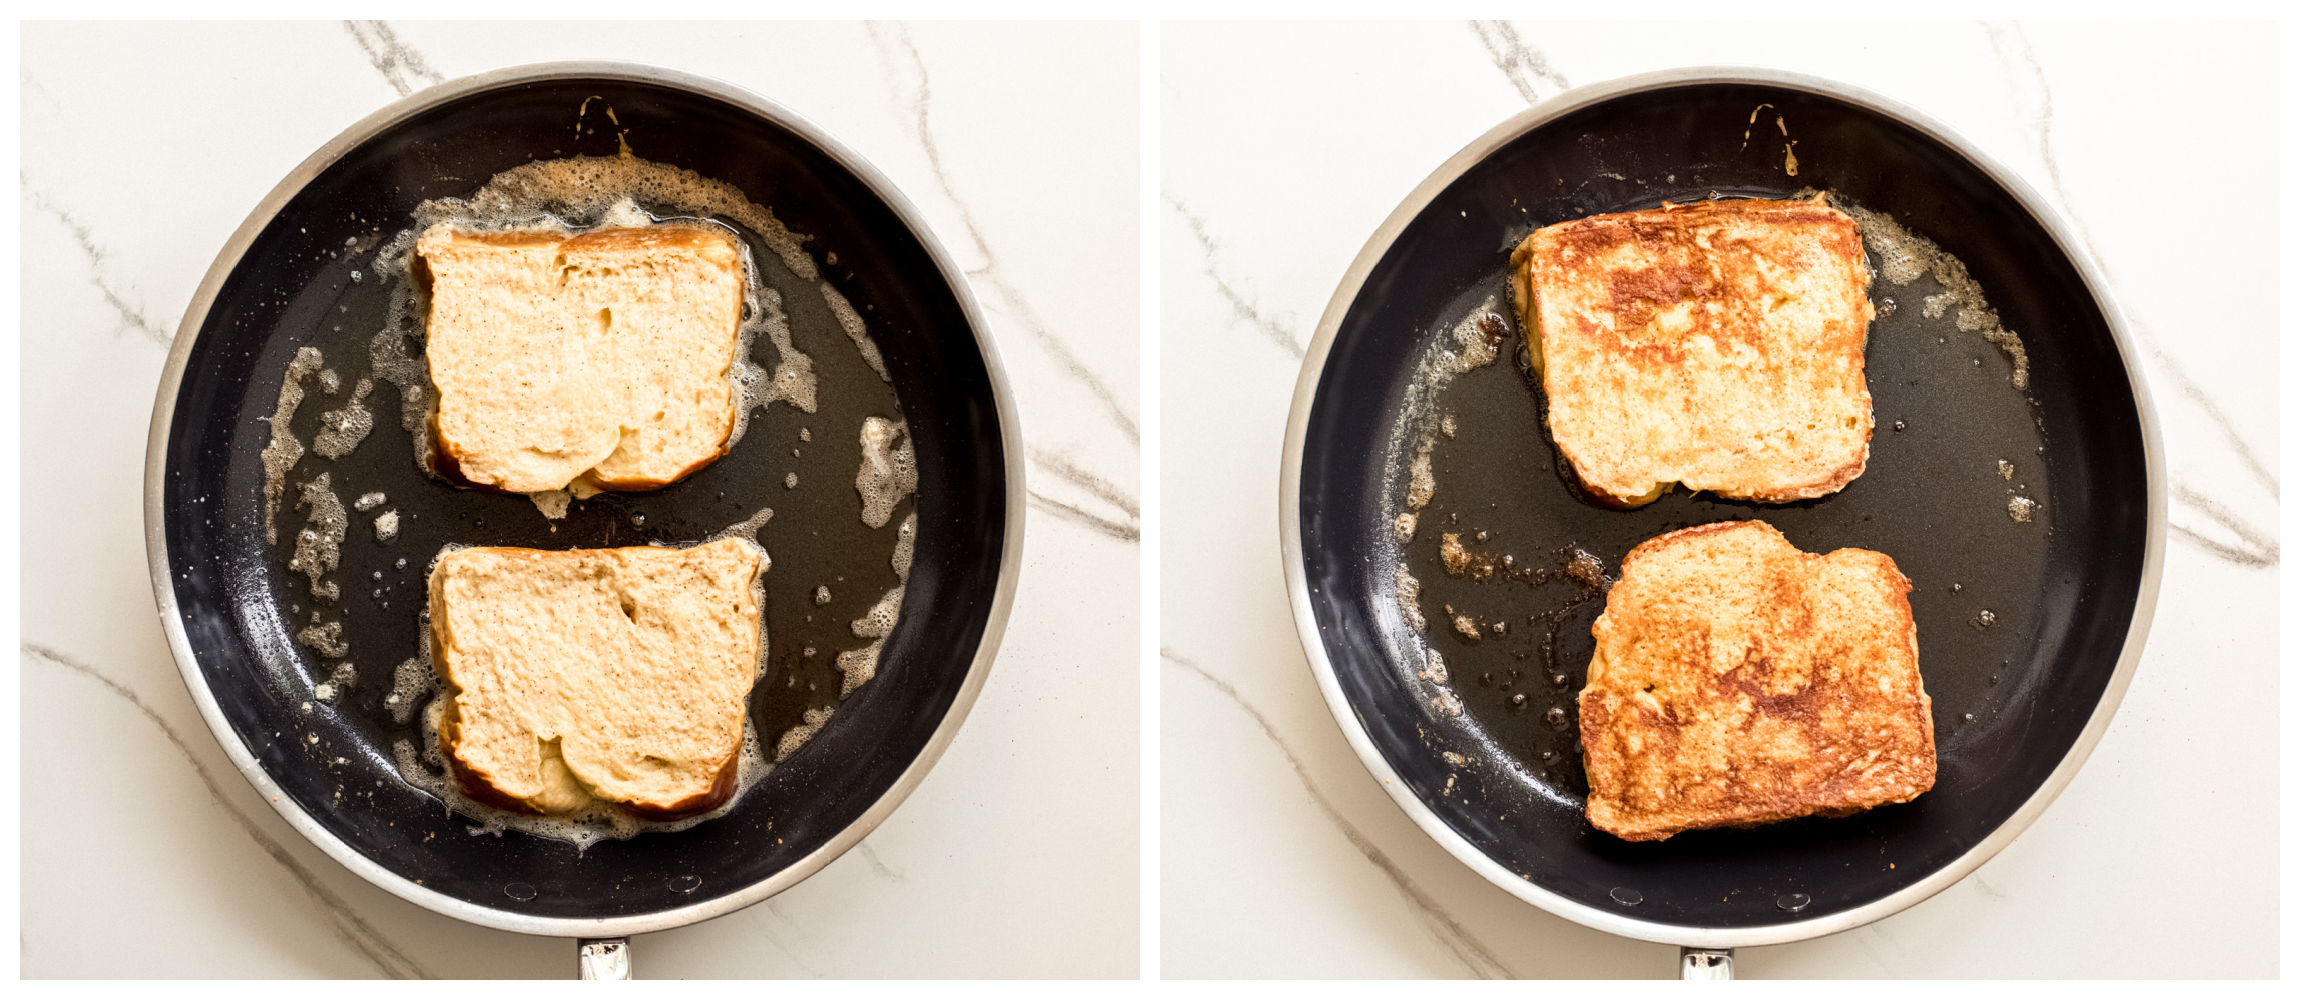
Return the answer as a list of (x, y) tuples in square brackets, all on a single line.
[(447, 463), (640, 483), (480, 790)]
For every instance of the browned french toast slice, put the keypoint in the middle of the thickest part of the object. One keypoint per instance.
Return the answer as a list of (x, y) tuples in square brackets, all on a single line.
[(1739, 681), (1718, 345)]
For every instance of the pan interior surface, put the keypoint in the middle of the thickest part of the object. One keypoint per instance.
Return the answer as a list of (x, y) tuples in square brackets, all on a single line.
[(2012, 690), (308, 280)]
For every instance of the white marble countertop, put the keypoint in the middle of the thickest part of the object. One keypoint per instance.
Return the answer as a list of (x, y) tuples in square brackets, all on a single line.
[(1284, 146), (144, 146), (1017, 856)]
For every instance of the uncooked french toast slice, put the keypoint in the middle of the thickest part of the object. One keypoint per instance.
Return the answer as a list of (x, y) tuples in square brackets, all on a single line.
[(1738, 681), (616, 675), (1719, 345), (602, 356)]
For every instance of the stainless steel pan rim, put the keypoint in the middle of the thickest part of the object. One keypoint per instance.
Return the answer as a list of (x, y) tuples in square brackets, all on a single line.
[(1297, 584), (171, 380)]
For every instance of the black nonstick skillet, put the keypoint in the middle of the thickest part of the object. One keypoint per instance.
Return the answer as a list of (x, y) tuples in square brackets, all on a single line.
[(301, 273), (2029, 630)]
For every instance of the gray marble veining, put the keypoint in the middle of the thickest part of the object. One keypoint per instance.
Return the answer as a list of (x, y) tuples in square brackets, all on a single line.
[(877, 866), (114, 251), (2253, 546), (1085, 518), (133, 315), (1098, 486), (1527, 68), (785, 926), (1232, 287), (378, 950), (1457, 939), (2071, 138), (401, 65), (406, 69), (2255, 549), (1128, 530), (2195, 395), (396, 62), (33, 88), (914, 92), (2245, 542)]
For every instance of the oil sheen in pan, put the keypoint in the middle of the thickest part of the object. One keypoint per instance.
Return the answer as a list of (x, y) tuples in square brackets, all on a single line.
[(363, 527), (1501, 567)]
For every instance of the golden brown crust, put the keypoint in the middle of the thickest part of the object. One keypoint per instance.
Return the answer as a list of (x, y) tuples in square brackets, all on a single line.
[(471, 782), (636, 483), (1717, 345), (1738, 681), (484, 791), (1602, 498), (722, 789), (665, 236), (669, 235), (447, 463)]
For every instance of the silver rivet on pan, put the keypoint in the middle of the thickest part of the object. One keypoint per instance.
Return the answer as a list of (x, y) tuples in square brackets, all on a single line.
[(686, 883), (520, 891), (1626, 896), (1794, 901)]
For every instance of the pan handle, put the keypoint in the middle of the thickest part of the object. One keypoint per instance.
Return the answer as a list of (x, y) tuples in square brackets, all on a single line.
[(1705, 963), (605, 958)]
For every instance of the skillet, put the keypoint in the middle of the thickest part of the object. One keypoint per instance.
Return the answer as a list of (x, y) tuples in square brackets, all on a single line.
[(2020, 694), (300, 272)]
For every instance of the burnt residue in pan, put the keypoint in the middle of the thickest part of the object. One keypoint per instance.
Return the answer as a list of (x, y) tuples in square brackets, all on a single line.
[(1512, 562)]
